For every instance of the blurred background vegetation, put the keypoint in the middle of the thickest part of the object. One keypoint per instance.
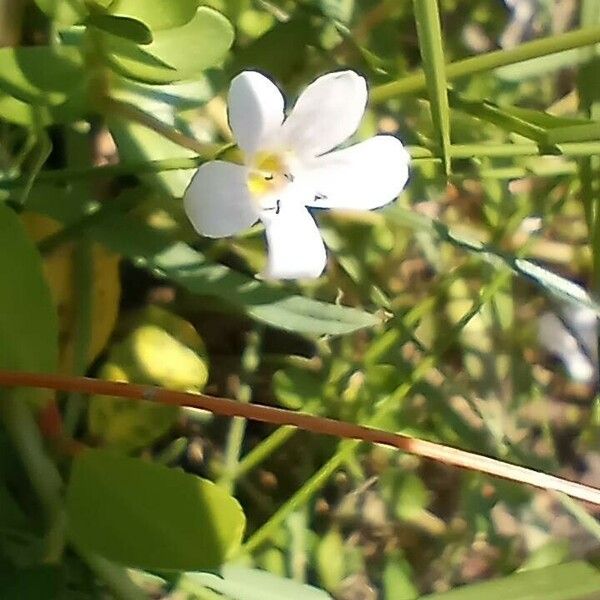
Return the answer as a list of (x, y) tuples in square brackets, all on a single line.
[(453, 339)]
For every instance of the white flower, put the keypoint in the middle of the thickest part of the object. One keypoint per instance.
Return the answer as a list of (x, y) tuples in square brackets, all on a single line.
[(288, 166)]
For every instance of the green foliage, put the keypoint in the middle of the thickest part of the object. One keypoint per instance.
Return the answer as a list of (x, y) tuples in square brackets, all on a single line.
[(28, 323), (156, 14), (40, 74), (563, 582), (150, 516), (425, 323), (429, 30), (240, 583), (162, 349), (167, 57)]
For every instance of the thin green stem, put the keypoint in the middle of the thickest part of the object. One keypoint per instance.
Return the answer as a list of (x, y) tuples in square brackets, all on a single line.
[(237, 428), (130, 112), (583, 517), (421, 157), (269, 445), (83, 281), (115, 577), (302, 496), (42, 472), (492, 60)]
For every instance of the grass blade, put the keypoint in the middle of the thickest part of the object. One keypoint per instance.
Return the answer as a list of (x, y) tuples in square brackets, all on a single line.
[(492, 60), (429, 30)]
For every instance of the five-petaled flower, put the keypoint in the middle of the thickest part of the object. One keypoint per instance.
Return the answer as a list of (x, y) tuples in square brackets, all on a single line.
[(289, 165)]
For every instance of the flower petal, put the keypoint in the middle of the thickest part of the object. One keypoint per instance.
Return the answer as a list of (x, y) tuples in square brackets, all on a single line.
[(218, 202), (365, 176), (255, 109), (326, 114), (295, 246)]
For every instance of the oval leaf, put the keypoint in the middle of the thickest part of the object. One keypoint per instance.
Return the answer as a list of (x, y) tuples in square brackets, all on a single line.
[(64, 13), (124, 27), (241, 583), (150, 516), (40, 74), (174, 54), (28, 322), (157, 14)]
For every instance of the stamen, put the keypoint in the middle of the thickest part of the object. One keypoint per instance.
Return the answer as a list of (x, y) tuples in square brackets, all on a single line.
[(319, 196), (268, 175)]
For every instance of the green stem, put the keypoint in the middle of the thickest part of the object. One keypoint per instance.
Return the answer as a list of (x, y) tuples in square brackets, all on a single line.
[(306, 492), (130, 112), (263, 450), (42, 472), (583, 517), (421, 157), (83, 282), (115, 577), (492, 60), (237, 428)]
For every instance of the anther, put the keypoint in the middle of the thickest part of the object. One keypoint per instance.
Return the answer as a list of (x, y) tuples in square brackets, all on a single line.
[(319, 196)]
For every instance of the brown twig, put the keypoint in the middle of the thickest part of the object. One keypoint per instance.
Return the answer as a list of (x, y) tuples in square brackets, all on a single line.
[(278, 416)]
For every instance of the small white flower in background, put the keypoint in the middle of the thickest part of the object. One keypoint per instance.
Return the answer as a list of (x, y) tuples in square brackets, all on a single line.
[(288, 165), (572, 338)]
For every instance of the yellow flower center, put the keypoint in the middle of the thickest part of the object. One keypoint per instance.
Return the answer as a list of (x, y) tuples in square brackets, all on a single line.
[(268, 174)]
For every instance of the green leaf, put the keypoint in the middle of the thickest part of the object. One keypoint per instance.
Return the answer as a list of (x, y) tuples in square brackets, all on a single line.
[(162, 349), (124, 27), (264, 53), (174, 54), (40, 74), (398, 579), (539, 126), (185, 266), (412, 497), (488, 111), (241, 583), (44, 581), (150, 516), (553, 552), (65, 13), (156, 14), (28, 322), (554, 284), (138, 144), (339, 10), (427, 17), (331, 560), (295, 388), (22, 113), (571, 581)]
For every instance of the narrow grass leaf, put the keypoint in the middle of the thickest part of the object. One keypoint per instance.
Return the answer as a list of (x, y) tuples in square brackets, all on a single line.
[(429, 30), (550, 282)]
